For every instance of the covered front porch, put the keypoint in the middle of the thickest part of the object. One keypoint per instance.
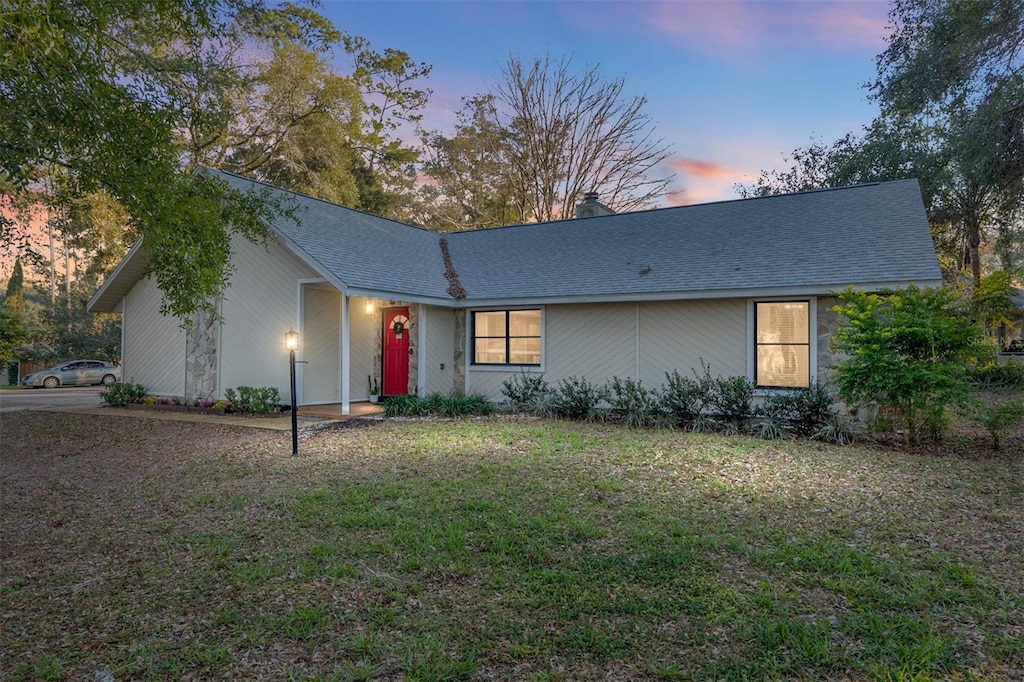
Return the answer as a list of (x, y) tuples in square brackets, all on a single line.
[(351, 348)]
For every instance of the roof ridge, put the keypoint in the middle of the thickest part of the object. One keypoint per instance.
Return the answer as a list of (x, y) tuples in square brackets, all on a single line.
[(737, 200)]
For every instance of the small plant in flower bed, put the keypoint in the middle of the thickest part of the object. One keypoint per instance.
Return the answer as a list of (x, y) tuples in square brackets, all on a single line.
[(254, 400), (212, 404), (119, 394), (438, 405)]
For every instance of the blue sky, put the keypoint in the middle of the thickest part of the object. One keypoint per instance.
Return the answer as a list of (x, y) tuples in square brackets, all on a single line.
[(732, 85)]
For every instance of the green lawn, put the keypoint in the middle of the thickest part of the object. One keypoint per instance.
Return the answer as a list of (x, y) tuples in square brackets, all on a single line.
[(501, 549)]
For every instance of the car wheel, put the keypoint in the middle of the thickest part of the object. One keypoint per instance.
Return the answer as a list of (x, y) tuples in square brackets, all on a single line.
[(108, 379), (51, 382)]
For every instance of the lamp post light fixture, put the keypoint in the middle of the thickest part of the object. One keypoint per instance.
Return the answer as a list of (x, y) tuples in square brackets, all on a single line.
[(291, 342)]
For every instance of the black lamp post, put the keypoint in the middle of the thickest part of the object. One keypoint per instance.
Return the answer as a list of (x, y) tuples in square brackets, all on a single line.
[(291, 342)]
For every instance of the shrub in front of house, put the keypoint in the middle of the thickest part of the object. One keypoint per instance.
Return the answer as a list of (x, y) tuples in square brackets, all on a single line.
[(908, 349), (803, 410), (524, 392), (579, 399), (632, 404), (997, 416), (998, 375), (438, 405), (119, 394), (730, 401), (254, 400), (683, 399)]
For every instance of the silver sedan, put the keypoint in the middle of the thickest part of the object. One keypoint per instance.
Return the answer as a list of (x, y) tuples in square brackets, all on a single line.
[(75, 373)]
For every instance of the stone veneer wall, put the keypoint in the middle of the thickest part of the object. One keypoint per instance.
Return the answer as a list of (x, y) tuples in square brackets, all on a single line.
[(202, 338), (459, 353), (414, 351), (828, 324)]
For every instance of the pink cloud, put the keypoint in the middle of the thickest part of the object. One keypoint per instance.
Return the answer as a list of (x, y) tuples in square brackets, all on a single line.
[(702, 181), (700, 169), (733, 27)]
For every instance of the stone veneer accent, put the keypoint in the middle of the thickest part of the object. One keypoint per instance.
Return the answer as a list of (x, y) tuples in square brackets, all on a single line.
[(414, 355), (828, 325), (202, 337), (459, 353)]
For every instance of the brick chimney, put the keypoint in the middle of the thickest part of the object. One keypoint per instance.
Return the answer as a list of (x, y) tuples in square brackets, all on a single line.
[(591, 207)]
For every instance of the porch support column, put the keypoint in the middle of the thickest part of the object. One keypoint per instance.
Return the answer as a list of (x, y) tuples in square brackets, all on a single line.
[(345, 354), (421, 350)]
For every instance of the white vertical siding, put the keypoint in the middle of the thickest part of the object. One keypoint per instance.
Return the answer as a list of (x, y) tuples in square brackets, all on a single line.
[(363, 339), (153, 344), (321, 371), (259, 307), (679, 334), (439, 350)]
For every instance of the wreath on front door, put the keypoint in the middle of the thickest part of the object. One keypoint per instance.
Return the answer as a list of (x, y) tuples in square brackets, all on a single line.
[(398, 326)]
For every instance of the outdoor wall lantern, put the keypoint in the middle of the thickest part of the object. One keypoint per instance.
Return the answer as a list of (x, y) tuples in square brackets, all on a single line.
[(291, 342), (369, 307)]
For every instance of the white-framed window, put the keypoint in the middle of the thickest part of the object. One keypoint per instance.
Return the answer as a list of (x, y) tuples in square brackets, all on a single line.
[(506, 337), (782, 349)]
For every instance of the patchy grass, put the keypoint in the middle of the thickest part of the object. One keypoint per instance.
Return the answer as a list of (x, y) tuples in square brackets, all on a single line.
[(500, 549)]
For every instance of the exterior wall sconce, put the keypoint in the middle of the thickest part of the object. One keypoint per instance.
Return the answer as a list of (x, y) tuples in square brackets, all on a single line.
[(369, 307)]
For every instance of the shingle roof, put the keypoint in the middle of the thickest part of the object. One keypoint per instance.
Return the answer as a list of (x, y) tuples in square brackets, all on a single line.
[(866, 235), (361, 250)]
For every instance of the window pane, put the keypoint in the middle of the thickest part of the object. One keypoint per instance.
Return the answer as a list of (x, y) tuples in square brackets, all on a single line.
[(490, 324), (525, 351), (782, 322), (785, 366), (489, 351), (524, 323)]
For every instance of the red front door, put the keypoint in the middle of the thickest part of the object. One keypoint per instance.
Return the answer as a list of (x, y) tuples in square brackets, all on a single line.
[(396, 351)]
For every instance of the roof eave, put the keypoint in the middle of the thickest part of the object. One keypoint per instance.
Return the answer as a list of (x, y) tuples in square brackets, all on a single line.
[(693, 295), (119, 282)]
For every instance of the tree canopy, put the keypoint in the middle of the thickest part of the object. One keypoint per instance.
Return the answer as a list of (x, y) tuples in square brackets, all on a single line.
[(951, 89), (545, 135), (128, 100)]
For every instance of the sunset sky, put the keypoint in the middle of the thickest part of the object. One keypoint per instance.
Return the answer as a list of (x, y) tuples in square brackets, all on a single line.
[(732, 85)]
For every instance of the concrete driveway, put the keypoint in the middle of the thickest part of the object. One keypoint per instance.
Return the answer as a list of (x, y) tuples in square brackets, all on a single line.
[(12, 400)]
